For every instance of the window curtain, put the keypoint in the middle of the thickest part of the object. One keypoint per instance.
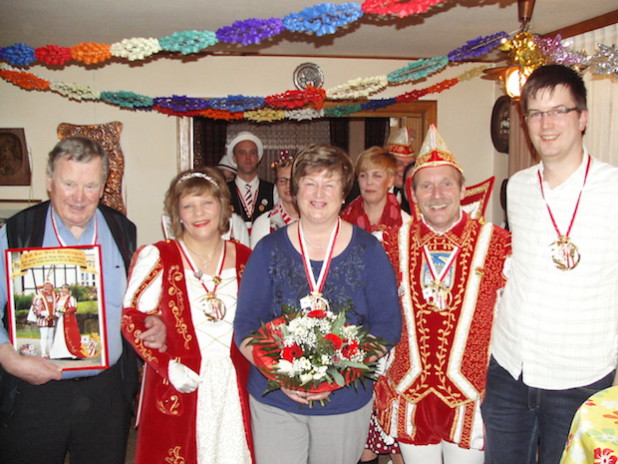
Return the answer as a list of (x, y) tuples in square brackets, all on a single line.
[(601, 137), (521, 152), (209, 140)]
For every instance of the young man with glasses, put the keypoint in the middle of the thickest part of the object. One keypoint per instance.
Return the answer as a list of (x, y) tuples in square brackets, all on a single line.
[(556, 328)]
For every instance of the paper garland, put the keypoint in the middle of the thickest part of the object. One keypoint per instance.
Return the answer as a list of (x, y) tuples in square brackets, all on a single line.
[(234, 107), (322, 19)]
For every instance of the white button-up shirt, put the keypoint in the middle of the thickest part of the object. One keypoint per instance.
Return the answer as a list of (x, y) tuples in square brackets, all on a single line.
[(559, 329)]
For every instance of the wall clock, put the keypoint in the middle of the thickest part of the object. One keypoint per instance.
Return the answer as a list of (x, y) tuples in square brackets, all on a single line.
[(501, 124)]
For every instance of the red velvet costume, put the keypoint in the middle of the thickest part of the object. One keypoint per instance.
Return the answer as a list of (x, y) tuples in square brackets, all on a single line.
[(391, 216), (435, 376), (72, 337), (167, 418)]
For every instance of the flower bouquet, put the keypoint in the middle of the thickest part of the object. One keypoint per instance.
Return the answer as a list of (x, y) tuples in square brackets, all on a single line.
[(314, 351)]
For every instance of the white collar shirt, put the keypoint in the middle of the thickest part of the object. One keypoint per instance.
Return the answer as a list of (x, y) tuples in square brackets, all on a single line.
[(241, 184), (559, 329)]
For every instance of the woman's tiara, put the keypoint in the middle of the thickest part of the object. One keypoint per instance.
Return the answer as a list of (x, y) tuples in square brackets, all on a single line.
[(201, 175)]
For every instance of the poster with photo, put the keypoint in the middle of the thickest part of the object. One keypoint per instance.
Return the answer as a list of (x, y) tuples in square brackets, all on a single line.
[(56, 305)]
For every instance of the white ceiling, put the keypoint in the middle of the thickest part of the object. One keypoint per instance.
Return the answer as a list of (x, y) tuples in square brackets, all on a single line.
[(443, 28)]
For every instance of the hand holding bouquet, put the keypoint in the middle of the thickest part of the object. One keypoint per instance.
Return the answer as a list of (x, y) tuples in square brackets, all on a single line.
[(314, 351)]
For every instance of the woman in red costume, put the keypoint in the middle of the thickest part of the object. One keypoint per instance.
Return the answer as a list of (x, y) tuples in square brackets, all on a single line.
[(67, 339), (193, 406), (376, 209)]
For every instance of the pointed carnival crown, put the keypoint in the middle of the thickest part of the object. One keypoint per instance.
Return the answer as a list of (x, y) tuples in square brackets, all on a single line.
[(400, 143), (434, 152), (284, 158)]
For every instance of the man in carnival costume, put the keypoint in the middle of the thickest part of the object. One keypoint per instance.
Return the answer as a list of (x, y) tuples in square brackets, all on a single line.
[(46, 412), (251, 196), (400, 145), (43, 307), (451, 271), (556, 329)]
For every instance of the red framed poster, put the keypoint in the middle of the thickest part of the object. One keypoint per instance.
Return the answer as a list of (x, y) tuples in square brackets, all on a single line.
[(56, 305)]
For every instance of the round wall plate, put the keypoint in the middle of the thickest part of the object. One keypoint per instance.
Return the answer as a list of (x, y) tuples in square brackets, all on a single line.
[(308, 73)]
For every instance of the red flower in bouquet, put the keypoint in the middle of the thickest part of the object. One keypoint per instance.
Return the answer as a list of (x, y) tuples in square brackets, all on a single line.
[(290, 353), (334, 339), (350, 349), (317, 314)]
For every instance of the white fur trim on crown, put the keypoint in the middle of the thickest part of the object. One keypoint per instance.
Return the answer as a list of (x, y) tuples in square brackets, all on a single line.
[(241, 137)]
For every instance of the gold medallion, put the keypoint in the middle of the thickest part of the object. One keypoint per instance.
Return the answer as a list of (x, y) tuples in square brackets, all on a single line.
[(564, 253), (213, 307), (314, 302), (438, 296)]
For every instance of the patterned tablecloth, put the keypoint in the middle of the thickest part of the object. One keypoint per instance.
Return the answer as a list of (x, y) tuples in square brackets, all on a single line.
[(594, 432)]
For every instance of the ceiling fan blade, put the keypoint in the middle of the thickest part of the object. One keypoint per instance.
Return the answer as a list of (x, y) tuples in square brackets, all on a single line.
[(525, 9)]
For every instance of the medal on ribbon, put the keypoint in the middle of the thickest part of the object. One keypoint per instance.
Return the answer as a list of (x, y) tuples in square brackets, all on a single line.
[(315, 300), (211, 305), (564, 253)]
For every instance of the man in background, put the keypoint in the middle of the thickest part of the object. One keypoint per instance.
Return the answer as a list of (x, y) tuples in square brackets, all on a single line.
[(400, 144), (251, 196)]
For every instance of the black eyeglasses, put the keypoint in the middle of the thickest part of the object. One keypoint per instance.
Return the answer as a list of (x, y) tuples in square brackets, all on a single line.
[(556, 113)]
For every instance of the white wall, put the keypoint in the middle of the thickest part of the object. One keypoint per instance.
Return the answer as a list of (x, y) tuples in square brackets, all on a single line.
[(149, 139)]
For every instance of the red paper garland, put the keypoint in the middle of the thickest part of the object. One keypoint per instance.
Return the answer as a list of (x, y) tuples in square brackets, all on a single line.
[(25, 80), (53, 55), (293, 99), (397, 7)]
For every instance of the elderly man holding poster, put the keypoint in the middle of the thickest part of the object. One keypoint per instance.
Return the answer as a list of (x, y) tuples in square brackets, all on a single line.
[(47, 412)]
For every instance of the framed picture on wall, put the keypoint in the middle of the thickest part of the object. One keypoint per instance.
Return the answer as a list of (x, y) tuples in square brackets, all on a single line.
[(56, 305), (14, 161)]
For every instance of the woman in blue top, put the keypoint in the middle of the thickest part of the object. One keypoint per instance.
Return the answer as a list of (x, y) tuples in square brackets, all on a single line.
[(349, 268)]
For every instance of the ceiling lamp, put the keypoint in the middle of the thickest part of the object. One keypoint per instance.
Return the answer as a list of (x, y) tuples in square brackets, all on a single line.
[(524, 54)]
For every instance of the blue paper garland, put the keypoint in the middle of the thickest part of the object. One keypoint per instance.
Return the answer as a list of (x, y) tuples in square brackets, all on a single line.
[(181, 103), (323, 19), (477, 47), (250, 31), (237, 103), (18, 54)]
